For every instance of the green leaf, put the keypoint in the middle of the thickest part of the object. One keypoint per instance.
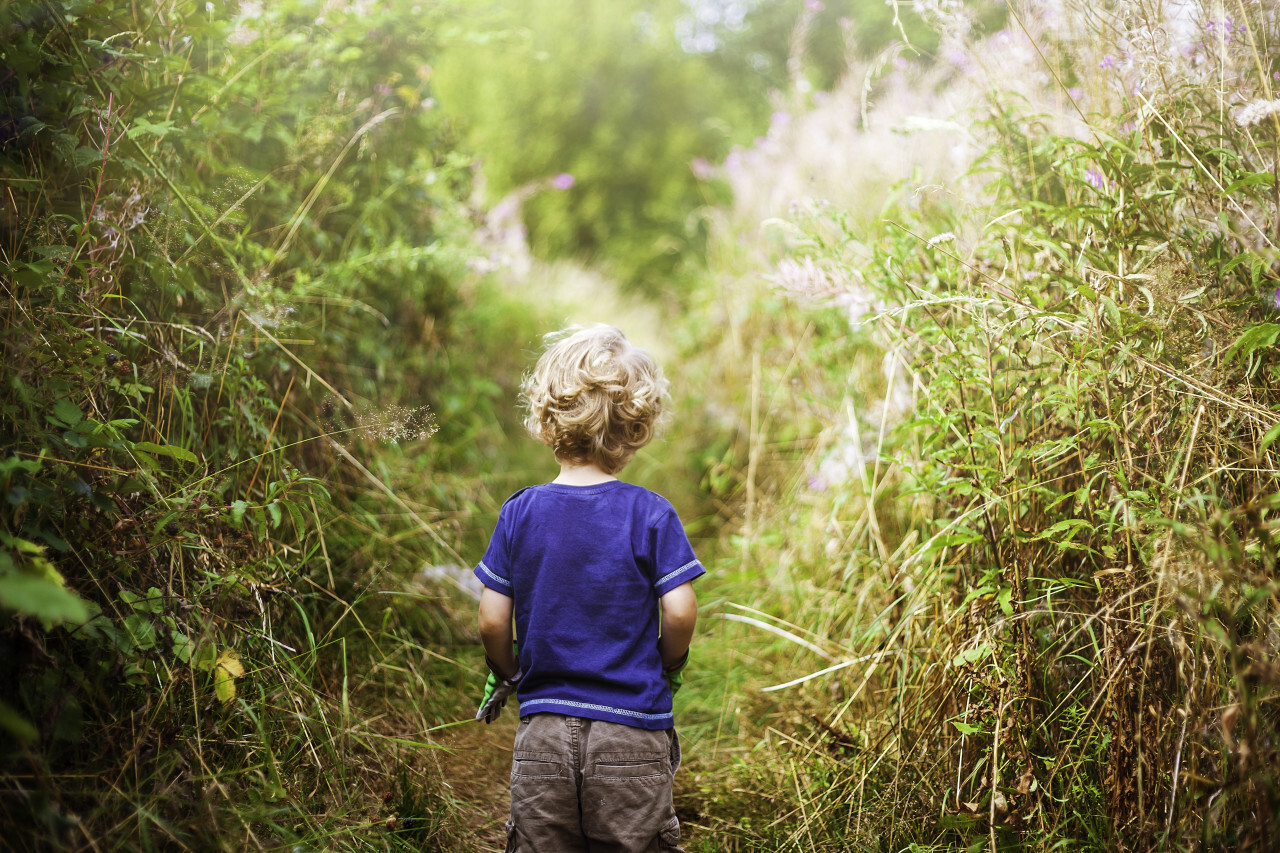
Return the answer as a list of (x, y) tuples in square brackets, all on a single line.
[(967, 729), (1254, 339), (972, 655), (66, 413), (182, 646), (22, 546), (1269, 438), (140, 630), (296, 514), (237, 511), (60, 253), (17, 725), (1005, 600), (45, 599), (86, 156), (1254, 179), (1070, 524), (1237, 261), (142, 127), (204, 656), (1112, 312), (154, 602), (171, 450)]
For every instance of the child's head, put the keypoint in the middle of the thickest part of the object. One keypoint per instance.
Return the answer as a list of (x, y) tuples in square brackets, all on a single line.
[(593, 398)]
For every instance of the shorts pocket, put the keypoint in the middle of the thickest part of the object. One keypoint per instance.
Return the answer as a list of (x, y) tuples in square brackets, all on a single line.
[(537, 765), (669, 836), (629, 770)]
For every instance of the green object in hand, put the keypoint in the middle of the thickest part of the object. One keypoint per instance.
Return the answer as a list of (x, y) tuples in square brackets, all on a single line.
[(675, 674), (497, 691)]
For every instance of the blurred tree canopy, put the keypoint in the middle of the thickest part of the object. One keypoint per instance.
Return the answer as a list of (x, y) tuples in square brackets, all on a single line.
[(628, 98), (601, 92)]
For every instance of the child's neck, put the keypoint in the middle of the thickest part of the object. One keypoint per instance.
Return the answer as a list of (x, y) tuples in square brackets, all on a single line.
[(582, 475)]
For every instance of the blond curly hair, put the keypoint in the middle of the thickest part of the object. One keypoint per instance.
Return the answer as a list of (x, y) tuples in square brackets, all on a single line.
[(593, 398)]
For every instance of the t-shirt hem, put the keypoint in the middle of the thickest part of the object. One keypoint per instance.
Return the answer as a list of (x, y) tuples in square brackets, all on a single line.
[(684, 574), (594, 711), (495, 582)]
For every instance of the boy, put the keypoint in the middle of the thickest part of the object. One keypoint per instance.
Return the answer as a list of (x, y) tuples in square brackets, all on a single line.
[(583, 563)]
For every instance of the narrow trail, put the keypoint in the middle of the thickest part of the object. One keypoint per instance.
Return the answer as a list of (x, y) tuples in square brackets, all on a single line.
[(476, 763)]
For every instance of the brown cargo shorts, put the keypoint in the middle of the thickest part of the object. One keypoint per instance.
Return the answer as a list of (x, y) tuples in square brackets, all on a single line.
[(587, 786)]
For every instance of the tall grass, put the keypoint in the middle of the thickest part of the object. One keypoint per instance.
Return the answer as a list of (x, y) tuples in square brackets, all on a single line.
[(242, 363), (1026, 568)]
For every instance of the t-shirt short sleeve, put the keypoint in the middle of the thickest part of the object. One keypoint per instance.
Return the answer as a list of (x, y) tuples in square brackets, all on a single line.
[(494, 569), (673, 556)]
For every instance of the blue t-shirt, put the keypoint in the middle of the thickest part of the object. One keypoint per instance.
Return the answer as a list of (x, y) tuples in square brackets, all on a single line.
[(586, 566)]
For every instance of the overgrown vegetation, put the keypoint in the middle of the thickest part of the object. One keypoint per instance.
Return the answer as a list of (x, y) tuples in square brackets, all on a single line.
[(984, 458), (220, 232), (1045, 614)]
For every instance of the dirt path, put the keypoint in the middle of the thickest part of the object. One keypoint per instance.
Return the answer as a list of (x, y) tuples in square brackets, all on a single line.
[(476, 763)]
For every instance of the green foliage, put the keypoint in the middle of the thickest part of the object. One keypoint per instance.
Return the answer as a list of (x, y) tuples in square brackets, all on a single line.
[(235, 248), (1045, 615), (754, 51), (602, 93)]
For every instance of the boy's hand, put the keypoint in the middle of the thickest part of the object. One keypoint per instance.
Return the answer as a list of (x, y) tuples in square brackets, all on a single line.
[(675, 674), (496, 693)]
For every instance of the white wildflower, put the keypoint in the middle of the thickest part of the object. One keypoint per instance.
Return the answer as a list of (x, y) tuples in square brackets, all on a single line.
[(807, 277), (1255, 111), (944, 237)]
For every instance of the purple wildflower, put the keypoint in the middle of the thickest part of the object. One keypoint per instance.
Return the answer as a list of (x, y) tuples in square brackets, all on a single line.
[(702, 169), (814, 5), (562, 181), (1094, 179), (1108, 61), (1275, 300)]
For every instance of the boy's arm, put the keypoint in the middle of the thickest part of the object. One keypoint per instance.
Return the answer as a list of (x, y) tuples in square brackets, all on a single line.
[(496, 634), (679, 615)]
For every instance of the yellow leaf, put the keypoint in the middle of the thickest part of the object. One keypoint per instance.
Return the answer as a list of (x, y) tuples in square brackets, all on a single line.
[(225, 674), (230, 661)]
